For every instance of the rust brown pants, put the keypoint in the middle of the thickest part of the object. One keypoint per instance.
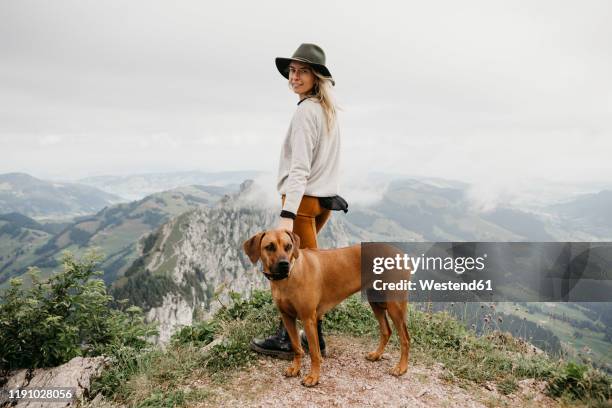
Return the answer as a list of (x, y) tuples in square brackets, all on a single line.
[(309, 220)]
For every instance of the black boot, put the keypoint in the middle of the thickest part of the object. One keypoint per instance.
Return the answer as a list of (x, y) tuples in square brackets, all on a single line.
[(277, 345), (304, 340)]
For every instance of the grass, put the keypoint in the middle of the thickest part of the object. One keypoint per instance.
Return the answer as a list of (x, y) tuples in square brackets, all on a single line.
[(507, 385), (158, 378), (440, 338)]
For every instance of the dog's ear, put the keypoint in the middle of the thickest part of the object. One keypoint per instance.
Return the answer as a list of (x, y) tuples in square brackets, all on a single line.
[(296, 243), (252, 247)]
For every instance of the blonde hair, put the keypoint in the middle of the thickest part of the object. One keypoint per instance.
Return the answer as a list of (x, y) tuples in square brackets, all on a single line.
[(322, 91)]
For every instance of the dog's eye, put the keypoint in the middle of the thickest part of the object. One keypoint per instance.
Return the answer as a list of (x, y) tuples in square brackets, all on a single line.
[(288, 247), (270, 247)]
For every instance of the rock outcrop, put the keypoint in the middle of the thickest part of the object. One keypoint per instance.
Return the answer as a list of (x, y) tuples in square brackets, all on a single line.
[(75, 374), (199, 255)]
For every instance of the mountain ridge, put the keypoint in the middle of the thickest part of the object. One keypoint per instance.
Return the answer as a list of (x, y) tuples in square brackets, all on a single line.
[(37, 198)]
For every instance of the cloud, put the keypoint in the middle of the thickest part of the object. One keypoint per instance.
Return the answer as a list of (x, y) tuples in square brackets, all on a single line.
[(49, 140), (483, 91), (160, 141)]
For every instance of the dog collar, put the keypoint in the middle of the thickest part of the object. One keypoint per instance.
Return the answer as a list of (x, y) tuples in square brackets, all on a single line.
[(280, 276)]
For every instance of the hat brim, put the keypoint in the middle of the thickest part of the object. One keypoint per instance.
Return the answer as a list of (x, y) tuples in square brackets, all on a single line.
[(282, 64)]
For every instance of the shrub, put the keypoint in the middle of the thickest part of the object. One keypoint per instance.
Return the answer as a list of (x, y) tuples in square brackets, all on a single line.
[(352, 317), (238, 324), (199, 334), (66, 316), (580, 382)]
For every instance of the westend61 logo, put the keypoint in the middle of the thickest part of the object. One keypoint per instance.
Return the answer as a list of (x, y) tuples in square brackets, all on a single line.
[(405, 262)]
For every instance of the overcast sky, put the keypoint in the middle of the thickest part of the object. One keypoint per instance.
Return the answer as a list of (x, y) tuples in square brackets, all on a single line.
[(490, 92)]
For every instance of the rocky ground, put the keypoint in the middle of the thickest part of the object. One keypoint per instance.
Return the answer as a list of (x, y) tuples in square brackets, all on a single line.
[(348, 379), (75, 375)]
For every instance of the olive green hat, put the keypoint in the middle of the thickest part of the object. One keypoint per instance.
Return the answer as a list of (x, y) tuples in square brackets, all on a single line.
[(311, 54)]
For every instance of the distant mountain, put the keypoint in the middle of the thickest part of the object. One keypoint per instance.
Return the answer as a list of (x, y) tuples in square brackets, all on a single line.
[(20, 236), (33, 197), (178, 253), (137, 186), (591, 213), (114, 230), (14, 221), (188, 267), (422, 210), (190, 260)]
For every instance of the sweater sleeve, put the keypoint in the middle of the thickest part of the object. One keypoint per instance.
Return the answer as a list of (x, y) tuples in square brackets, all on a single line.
[(303, 140)]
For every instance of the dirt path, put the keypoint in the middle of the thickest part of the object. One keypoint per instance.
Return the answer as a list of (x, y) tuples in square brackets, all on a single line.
[(348, 379)]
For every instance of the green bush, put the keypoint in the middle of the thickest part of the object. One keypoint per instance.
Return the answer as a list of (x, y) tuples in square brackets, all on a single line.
[(351, 317), (66, 316), (200, 334), (242, 308), (238, 324), (580, 382)]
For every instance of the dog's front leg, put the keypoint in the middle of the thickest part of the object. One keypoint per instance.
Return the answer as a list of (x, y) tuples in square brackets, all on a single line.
[(310, 327), (294, 369)]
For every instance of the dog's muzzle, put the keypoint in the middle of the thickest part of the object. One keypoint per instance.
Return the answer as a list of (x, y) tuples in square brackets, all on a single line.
[(280, 270)]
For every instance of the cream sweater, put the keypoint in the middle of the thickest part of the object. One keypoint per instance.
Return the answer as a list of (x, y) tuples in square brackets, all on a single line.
[(309, 159)]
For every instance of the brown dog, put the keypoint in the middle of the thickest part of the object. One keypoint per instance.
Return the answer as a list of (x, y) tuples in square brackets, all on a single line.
[(306, 283)]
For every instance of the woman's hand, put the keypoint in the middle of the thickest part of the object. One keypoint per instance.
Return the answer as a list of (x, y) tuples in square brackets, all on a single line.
[(285, 223)]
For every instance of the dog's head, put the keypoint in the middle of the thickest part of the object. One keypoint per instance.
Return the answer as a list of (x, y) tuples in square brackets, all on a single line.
[(276, 249)]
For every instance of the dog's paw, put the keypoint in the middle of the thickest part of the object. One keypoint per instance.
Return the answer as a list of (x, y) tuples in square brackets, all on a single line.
[(292, 371), (310, 380), (373, 356), (398, 370)]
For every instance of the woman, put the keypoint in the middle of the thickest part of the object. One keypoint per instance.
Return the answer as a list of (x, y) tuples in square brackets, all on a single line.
[(309, 166)]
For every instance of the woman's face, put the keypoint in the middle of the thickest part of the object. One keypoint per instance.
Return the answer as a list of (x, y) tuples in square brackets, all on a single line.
[(301, 78)]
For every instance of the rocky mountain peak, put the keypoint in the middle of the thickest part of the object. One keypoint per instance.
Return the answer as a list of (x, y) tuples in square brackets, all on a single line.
[(190, 265)]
